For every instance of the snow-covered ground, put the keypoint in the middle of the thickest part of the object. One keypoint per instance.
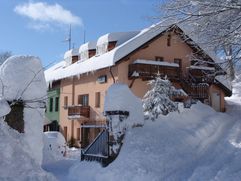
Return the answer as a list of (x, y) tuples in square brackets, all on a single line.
[(195, 144)]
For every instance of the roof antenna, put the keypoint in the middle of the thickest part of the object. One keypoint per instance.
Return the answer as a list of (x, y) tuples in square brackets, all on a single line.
[(69, 39), (84, 35)]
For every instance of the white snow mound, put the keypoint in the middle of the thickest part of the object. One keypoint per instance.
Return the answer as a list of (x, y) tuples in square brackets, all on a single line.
[(120, 98), (197, 144), (22, 79), (54, 147), (15, 162)]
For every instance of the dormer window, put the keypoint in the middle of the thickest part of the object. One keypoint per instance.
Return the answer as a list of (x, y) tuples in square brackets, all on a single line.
[(111, 45), (101, 49), (75, 58), (92, 53), (87, 50)]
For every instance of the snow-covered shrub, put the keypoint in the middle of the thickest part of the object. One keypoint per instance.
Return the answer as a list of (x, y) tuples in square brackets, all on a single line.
[(158, 100)]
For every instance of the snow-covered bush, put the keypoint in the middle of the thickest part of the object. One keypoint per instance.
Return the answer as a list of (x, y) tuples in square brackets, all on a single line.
[(158, 100)]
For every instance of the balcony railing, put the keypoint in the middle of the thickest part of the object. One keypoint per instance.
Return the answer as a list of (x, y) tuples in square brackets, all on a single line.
[(196, 91), (76, 112), (147, 71)]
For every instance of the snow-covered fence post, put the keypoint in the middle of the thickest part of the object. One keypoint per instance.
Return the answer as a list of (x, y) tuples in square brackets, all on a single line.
[(116, 130), (123, 111)]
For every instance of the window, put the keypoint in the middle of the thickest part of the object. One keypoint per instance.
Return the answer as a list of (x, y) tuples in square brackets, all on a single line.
[(168, 40), (160, 59), (178, 61), (92, 53), (83, 100), (51, 104), (102, 79), (65, 101), (75, 58), (56, 104), (97, 99), (111, 45), (78, 133)]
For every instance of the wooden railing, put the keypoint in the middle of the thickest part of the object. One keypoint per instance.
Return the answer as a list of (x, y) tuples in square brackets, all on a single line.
[(78, 111), (146, 71), (198, 77), (196, 91)]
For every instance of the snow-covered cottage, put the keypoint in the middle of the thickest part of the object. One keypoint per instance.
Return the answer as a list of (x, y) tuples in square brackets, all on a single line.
[(132, 58)]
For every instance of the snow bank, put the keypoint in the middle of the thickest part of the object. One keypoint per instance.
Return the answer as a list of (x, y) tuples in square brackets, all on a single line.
[(22, 78), (197, 144), (54, 147), (120, 98), (16, 164), (4, 107)]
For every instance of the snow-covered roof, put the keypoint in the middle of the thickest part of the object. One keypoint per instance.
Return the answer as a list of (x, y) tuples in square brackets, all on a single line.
[(151, 62), (87, 46), (224, 80), (104, 60), (120, 37), (126, 43), (70, 53)]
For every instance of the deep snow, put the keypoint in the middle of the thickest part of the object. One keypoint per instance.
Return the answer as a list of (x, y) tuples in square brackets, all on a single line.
[(22, 79), (197, 143), (194, 144)]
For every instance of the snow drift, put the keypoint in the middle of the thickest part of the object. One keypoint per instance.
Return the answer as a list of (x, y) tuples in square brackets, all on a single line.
[(120, 97), (22, 79), (196, 144), (54, 147)]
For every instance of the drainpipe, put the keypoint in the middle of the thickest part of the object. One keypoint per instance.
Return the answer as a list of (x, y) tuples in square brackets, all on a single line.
[(72, 121), (112, 75)]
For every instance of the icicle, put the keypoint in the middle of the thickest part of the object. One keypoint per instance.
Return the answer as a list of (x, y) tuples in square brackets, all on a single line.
[(50, 84), (78, 76)]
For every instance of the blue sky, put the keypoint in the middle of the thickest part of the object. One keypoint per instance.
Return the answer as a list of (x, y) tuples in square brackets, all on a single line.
[(39, 27)]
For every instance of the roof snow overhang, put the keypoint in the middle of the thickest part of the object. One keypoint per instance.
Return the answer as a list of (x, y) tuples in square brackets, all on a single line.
[(124, 50)]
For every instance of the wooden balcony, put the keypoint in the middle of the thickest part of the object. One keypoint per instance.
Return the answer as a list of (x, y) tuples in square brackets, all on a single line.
[(76, 112), (149, 71), (201, 75), (196, 91), (199, 91)]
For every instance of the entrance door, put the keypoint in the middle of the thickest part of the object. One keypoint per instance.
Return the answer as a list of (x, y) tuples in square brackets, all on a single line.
[(65, 132), (85, 133), (216, 101)]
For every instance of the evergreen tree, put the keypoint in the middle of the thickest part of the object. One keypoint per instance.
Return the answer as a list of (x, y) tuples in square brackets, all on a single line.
[(158, 100)]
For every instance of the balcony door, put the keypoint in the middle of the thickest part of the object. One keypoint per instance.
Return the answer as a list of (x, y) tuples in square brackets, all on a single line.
[(83, 99)]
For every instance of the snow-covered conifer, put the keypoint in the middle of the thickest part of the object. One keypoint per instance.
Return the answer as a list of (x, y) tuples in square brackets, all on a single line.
[(158, 100)]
